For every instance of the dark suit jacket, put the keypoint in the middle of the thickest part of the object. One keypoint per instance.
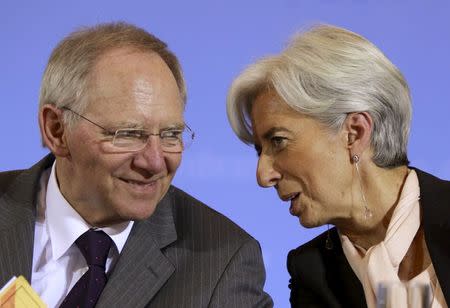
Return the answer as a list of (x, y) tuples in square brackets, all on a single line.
[(322, 277), (184, 255)]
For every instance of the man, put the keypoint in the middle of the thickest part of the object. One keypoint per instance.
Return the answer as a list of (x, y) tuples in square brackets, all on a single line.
[(111, 113)]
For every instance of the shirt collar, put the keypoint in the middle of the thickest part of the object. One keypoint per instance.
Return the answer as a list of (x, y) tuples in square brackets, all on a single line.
[(65, 225)]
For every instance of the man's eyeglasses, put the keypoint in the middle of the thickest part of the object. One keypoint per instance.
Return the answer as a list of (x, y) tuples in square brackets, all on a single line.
[(173, 140)]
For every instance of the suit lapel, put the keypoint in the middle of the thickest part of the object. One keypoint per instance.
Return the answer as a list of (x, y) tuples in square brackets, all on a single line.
[(435, 202), (16, 238), (18, 206), (340, 276), (142, 268)]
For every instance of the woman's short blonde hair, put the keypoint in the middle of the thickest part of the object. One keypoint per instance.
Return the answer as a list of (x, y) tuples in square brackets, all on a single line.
[(328, 72)]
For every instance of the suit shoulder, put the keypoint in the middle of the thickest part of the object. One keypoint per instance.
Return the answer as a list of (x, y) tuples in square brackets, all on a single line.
[(25, 176), (432, 186), (7, 178), (434, 198), (310, 258), (311, 247), (190, 212)]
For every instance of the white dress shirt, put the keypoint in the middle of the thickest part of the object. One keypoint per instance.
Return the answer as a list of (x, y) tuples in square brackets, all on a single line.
[(57, 261)]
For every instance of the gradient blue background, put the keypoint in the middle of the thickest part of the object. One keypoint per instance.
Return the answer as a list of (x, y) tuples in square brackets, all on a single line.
[(214, 41)]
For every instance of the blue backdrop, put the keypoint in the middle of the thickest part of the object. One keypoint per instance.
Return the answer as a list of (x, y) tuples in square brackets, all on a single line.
[(215, 40)]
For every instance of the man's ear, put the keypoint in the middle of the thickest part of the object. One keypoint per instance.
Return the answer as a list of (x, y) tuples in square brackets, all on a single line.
[(53, 130), (358, 128)]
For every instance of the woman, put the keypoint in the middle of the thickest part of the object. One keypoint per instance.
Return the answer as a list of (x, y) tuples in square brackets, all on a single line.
[(329, 118)]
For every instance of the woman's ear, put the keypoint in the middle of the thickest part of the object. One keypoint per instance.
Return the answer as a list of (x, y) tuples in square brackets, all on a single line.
[(358, 127), (53, 130)]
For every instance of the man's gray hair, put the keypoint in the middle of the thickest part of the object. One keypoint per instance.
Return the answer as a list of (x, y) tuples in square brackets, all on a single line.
[(66, 76), (328, 72)]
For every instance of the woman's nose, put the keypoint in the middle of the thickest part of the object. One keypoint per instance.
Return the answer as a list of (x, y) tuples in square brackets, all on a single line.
[(266, 174)]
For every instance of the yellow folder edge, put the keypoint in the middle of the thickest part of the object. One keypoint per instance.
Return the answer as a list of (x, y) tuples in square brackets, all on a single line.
[(19, 294)]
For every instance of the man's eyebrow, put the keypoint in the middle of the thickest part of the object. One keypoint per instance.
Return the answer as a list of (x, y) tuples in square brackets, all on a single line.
[(274, 130), (174, 126), (134, 125), (126, 124)]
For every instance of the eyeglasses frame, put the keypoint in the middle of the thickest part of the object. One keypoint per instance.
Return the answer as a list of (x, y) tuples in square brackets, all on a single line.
[(114, 133)]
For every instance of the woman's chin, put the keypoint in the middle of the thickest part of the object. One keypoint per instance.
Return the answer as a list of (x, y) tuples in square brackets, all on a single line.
[(309, 222)]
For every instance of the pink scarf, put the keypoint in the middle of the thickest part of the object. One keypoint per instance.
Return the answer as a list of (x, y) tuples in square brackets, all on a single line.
[(381, 262)]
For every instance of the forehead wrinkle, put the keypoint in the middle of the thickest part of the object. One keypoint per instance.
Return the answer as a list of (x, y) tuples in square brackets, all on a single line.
[(134, 90)]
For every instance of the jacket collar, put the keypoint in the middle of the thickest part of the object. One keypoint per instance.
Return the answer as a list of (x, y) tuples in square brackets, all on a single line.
[(143, 268), (435, 203), (18, 214)]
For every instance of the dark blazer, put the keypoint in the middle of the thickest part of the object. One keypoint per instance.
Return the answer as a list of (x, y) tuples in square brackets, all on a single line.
[(322, 277), (184, 255)]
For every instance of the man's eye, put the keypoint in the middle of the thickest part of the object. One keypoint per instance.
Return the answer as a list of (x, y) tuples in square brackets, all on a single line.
[(171, 134), (108, 134), (131, 134)]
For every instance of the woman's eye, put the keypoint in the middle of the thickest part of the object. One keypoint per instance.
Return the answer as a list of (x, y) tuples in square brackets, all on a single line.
[(278, 142)]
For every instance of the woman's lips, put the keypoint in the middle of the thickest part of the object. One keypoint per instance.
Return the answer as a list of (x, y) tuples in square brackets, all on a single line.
[(294, 209)]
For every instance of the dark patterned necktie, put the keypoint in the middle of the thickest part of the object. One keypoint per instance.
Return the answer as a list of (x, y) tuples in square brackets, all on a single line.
[(94, 245)]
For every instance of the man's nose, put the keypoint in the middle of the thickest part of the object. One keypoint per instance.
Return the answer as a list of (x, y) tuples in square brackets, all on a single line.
[(266, 175), (151, 157)]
